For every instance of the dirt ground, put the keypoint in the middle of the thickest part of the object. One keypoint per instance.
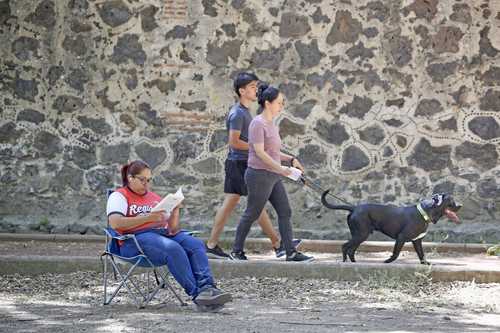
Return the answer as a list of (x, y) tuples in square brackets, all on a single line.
[(73, 303)]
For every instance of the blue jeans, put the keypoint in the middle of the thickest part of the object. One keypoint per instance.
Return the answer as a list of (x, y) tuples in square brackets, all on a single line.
[(184, 255)]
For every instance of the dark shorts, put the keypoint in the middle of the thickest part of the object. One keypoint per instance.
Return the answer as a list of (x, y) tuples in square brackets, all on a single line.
[(234, 182)]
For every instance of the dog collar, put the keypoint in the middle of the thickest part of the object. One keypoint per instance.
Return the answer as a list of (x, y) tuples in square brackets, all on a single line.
[(422, 212)]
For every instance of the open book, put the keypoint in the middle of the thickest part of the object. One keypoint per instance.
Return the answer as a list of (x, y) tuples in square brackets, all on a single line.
[(296, 173), (169, 202)]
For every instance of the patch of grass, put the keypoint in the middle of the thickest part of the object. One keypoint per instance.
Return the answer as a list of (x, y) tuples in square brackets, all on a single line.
[(44, 222)]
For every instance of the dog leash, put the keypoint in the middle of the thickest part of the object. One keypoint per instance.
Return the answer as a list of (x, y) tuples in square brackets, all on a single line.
[(316, 187), (311, 184)]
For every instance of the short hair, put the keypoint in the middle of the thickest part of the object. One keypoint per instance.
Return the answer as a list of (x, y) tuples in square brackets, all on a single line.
[(242, 79)]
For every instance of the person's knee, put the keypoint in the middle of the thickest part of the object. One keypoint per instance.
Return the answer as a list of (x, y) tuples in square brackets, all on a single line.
[(232, 199), (166, 247), (264, 216), (285, 213), (196, 243), (250, 217)]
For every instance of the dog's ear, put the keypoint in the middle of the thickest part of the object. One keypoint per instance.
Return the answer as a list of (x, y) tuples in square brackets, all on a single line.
[(427, 203), (437, 199)]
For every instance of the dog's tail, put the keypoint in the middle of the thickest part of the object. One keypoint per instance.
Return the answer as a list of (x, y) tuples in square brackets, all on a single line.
[(329, 205)]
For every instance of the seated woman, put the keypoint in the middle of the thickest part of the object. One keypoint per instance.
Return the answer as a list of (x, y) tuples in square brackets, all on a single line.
[(129, 211)]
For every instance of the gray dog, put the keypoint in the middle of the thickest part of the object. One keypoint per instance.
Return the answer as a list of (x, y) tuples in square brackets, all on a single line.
[(403, 224)]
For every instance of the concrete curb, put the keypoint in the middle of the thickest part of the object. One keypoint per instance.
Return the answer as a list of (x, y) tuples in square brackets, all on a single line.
[(50, 238), (262, 244), (34, 265), (335, 246)]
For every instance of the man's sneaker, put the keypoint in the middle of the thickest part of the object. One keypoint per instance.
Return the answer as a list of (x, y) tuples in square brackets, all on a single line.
[(280, 251), (217, 253), (297, 256), (212, 296), (239, 255)]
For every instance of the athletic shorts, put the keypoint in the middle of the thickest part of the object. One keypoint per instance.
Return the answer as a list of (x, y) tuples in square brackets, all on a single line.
[(234, 182)]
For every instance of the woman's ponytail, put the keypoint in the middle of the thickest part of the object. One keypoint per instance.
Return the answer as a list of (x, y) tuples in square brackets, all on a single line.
[(260, 93), (265, 92), (125, 174), (131, 169)]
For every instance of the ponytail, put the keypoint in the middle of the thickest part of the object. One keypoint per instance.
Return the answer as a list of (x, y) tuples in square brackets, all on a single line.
[(131, 169), (268, 93), (125, 174)]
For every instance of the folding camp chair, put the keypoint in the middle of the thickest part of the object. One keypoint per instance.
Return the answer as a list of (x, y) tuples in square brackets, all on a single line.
[(140, 294)]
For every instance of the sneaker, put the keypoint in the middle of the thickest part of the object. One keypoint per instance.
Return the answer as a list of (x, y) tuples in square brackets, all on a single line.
[(239, 255), (212, 296), (217, 253), (280, 251), (297, 256)]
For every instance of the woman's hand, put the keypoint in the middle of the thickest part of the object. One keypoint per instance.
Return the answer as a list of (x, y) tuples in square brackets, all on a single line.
[(285, 171), (157, 216), (173, 221), (296, 164)]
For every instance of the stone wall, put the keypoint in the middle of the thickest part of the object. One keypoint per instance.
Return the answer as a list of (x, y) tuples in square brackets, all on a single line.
[(386, 101)]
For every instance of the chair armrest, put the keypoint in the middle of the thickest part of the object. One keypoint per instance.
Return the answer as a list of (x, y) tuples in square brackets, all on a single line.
[(123, 238), (191, 232), (116, 235), (136, 242)]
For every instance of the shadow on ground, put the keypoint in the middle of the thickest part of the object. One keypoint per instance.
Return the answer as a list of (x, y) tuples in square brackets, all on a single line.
[(72, 303)]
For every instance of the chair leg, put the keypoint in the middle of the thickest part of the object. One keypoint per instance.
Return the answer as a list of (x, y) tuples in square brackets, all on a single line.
[(156, 277), (107, 300), (104, 262), (140, 298), (165, 282), (123, 282)]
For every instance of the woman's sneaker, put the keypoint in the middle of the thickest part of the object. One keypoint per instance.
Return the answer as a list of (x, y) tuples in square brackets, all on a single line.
[(212, 296), (297, 256), (239, 255), (280, 251), (217, 253)]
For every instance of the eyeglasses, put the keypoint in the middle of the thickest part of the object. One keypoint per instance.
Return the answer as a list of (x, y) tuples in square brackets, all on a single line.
[(143, 179)]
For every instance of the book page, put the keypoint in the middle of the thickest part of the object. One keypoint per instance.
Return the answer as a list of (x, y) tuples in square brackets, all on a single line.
[(169, 202)]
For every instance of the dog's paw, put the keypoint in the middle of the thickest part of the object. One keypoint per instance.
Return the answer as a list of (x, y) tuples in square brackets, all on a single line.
[(425, 262), (388, 260)]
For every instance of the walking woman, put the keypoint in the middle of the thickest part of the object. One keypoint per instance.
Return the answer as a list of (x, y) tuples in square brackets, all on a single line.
[(264, 172)]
